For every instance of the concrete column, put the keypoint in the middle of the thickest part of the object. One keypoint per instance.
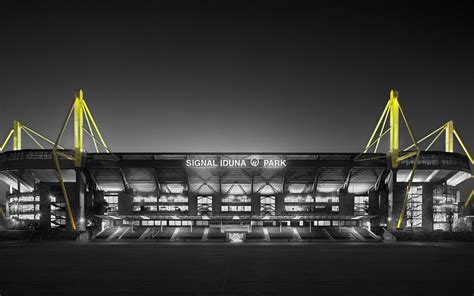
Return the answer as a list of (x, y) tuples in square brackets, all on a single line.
[(383, 206), (77, 201), (398, 195), (374, 204), (255, 203), (125, 203), (279, 204), (346, 204), (99, 202), (45, 206), (427, 206), (374, 207), (216, 204), (192, 205)]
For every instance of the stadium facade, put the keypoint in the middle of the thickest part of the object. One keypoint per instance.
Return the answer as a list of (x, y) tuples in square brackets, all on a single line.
[(234, 192)]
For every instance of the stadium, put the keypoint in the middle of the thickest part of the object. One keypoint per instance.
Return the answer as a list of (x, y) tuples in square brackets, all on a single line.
[(235, 197)]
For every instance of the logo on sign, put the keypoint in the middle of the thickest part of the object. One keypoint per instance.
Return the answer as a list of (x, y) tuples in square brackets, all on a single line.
[(254, 162)]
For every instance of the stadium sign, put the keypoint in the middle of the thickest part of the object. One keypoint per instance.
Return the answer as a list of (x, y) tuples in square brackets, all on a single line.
[(253, 162)]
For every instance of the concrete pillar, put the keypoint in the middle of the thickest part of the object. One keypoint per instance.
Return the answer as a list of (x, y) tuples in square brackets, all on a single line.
[(374, 207), (255, 204), (125, 203), (192, 205), (99, 202), (374, 204), (45, 206), (279, 204), (427, 206), (76, 195), (398, 196), (346, 204), (383, 206), (216, 204)]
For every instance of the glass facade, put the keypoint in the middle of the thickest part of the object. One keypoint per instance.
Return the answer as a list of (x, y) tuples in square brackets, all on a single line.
[(414, 212)]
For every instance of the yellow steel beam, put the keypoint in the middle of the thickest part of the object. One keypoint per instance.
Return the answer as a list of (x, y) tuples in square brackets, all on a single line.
[(58, 167), (17, 135), (463, 147), (440, 130), (381, 131), (386, 109), (26, 128), (6, 140), (407, 192), (449, 147), (408, 155), (91, 133), (88, 113), (32, 138), (410, 131), (394, 127), (434, 140), (63, 188), (376, 141), (468, 200), (78, 127)]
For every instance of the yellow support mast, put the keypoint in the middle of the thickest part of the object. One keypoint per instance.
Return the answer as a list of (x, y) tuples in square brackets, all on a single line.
[(80, 110), (17, 126), (78, 127), (393, 110)]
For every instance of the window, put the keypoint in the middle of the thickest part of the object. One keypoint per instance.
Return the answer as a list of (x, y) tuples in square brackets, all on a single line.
[(361, 204), (173, 208), (204, 204), (160, 223), (414, 207), (445, 210), (148, 222), (236, 199), (299, 199), (175, 223), (324, 223), (235, 208), (112, 203), (327, 199), (173, 199), (267, 205), (142, 199)]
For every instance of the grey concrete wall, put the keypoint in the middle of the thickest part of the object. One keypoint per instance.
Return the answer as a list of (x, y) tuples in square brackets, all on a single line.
[(346, 204), (45, 206), (216, 204), (125, 203), (192, 204), (255, 204), (374, 203), (398, 196), (427, 206), (279, 204)]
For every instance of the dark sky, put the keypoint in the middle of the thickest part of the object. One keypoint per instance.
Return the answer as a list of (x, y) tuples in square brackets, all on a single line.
[(240, 77)]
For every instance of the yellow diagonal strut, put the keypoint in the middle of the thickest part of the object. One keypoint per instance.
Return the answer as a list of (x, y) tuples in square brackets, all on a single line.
[(468, 200), (58, 167), (392, 113), (80, 110)]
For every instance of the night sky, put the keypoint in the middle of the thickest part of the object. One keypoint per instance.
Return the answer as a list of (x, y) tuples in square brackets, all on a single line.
[(241, 77)]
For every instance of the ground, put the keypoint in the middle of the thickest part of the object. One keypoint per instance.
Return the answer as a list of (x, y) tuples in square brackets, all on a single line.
[(237, 269)]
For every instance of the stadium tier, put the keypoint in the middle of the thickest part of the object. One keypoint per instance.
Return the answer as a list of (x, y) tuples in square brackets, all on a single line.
[(233, 192)]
